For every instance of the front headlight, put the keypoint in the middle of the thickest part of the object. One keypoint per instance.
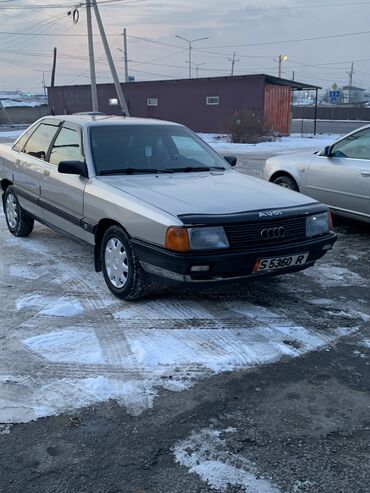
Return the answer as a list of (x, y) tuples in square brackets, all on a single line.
[(208, 238), (182, 239), (317, 224)]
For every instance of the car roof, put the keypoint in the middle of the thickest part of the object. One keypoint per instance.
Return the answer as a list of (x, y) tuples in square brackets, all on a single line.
[(89, 120)]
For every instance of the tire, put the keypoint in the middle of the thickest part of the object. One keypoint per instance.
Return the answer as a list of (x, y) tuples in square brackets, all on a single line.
[(122, 271), (18, 221), (286, 182)]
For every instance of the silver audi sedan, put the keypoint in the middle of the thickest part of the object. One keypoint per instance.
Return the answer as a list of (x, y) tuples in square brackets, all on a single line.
[(338, 175)]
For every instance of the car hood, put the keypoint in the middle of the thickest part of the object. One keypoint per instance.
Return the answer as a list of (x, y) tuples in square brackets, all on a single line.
[(206, 193)]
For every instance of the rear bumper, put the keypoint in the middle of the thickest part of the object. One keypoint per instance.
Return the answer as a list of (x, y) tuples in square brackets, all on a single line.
[(176, 268)]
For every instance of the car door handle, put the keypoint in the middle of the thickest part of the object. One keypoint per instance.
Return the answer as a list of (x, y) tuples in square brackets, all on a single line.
[(365, 173), (46, 172)]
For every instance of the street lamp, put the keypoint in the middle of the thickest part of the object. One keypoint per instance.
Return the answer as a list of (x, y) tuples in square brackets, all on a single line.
[(190, 42), (196, 65), (282, 58)]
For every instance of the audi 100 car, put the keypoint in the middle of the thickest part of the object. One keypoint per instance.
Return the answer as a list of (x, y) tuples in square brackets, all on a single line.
[(157, 203)]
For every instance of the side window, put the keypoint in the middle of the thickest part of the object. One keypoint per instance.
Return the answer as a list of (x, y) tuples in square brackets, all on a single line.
[(40, 140), (18, 146), (356, 146), (67, 147)]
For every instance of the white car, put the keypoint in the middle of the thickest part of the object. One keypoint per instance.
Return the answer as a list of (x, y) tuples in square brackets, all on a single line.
[(339, 175)]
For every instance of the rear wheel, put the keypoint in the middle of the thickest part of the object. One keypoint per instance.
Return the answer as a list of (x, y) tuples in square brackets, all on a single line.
[(18, 221), (122, 271), (286, 181)]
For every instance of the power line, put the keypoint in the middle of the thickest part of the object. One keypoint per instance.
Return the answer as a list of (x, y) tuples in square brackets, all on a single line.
[(298, 40)]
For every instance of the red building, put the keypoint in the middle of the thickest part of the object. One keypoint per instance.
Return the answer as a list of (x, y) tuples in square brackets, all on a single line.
[(203, 104)]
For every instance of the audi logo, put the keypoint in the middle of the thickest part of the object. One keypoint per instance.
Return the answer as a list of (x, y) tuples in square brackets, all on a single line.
[(272, 233)]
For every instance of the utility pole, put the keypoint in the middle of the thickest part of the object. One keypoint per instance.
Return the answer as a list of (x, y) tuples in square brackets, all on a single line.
[(233, 60), (293, 75), (197, 65), (125, 53), (112, 67), (190, 43), (43, 83), (52, 82), (350, 82), (94, 92)]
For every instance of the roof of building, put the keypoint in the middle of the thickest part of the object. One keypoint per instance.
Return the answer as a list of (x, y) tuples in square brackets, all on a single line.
[(347, 88), (269, 79)]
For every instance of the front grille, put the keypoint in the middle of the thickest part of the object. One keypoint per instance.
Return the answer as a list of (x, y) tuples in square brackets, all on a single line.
[(242, 236)]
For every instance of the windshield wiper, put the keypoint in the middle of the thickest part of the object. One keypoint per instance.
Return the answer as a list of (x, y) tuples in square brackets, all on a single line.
[(189, 169), (131, 171)]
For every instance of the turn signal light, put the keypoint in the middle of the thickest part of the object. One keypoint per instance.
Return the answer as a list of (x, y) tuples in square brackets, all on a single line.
[(177, 239)]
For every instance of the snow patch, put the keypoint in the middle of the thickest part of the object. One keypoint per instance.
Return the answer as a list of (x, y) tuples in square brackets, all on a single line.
[(11, 135), (329, 276), (31, 301), (24, 272), (293, 142), (67, 346), (205, 454), (63, 308)]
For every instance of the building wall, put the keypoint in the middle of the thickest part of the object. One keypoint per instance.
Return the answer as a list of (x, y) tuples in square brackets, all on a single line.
[(277, 113), (182, 101)]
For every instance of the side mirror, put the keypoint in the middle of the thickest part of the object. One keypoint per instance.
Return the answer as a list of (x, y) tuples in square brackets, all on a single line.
[(232, 160), (73, 168), (327, 151)]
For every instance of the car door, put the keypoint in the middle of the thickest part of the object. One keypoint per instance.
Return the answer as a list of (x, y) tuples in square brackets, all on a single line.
[(62, 195), (29, 166), (342, 179)]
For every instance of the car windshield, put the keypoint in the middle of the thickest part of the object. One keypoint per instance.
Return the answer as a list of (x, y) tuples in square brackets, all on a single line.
[(150, 148)]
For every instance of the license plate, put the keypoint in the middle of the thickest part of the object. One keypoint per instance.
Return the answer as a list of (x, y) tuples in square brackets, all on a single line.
[(266, 264)]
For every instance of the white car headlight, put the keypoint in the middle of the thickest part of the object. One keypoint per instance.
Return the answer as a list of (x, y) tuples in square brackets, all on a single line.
[(205, 238), (317, 224)]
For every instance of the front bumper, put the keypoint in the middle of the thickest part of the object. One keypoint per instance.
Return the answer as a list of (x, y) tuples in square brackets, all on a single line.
[(176, 268)]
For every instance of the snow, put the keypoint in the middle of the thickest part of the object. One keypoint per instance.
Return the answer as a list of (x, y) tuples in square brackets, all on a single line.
[(328, 276), (63, 308), (11, 135), (67, 346), (205, 454), (10, 103), (282, 144)]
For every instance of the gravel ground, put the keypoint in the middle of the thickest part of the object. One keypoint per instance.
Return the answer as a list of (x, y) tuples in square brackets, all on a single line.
[(260, 388)]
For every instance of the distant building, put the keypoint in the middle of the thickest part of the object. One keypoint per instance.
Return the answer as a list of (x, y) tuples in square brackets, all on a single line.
[(352, 94), (204, 104)]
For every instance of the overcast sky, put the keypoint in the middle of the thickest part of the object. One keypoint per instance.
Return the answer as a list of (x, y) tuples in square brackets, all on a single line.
[(231, 25)]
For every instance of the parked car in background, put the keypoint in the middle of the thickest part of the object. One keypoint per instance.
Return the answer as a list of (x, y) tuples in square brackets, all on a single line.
[(339, 175), (157, 203)]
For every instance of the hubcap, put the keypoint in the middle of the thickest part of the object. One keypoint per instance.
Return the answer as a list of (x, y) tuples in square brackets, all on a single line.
[(11, 210), (116, 262)]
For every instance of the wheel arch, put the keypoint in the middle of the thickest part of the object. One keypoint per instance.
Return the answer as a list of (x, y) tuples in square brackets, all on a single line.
[(4, 185), (279, 173), (100, 229)]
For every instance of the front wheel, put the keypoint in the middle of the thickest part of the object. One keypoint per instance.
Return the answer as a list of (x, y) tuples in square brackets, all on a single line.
[(122, 271), (18, 221), (286, 181)]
